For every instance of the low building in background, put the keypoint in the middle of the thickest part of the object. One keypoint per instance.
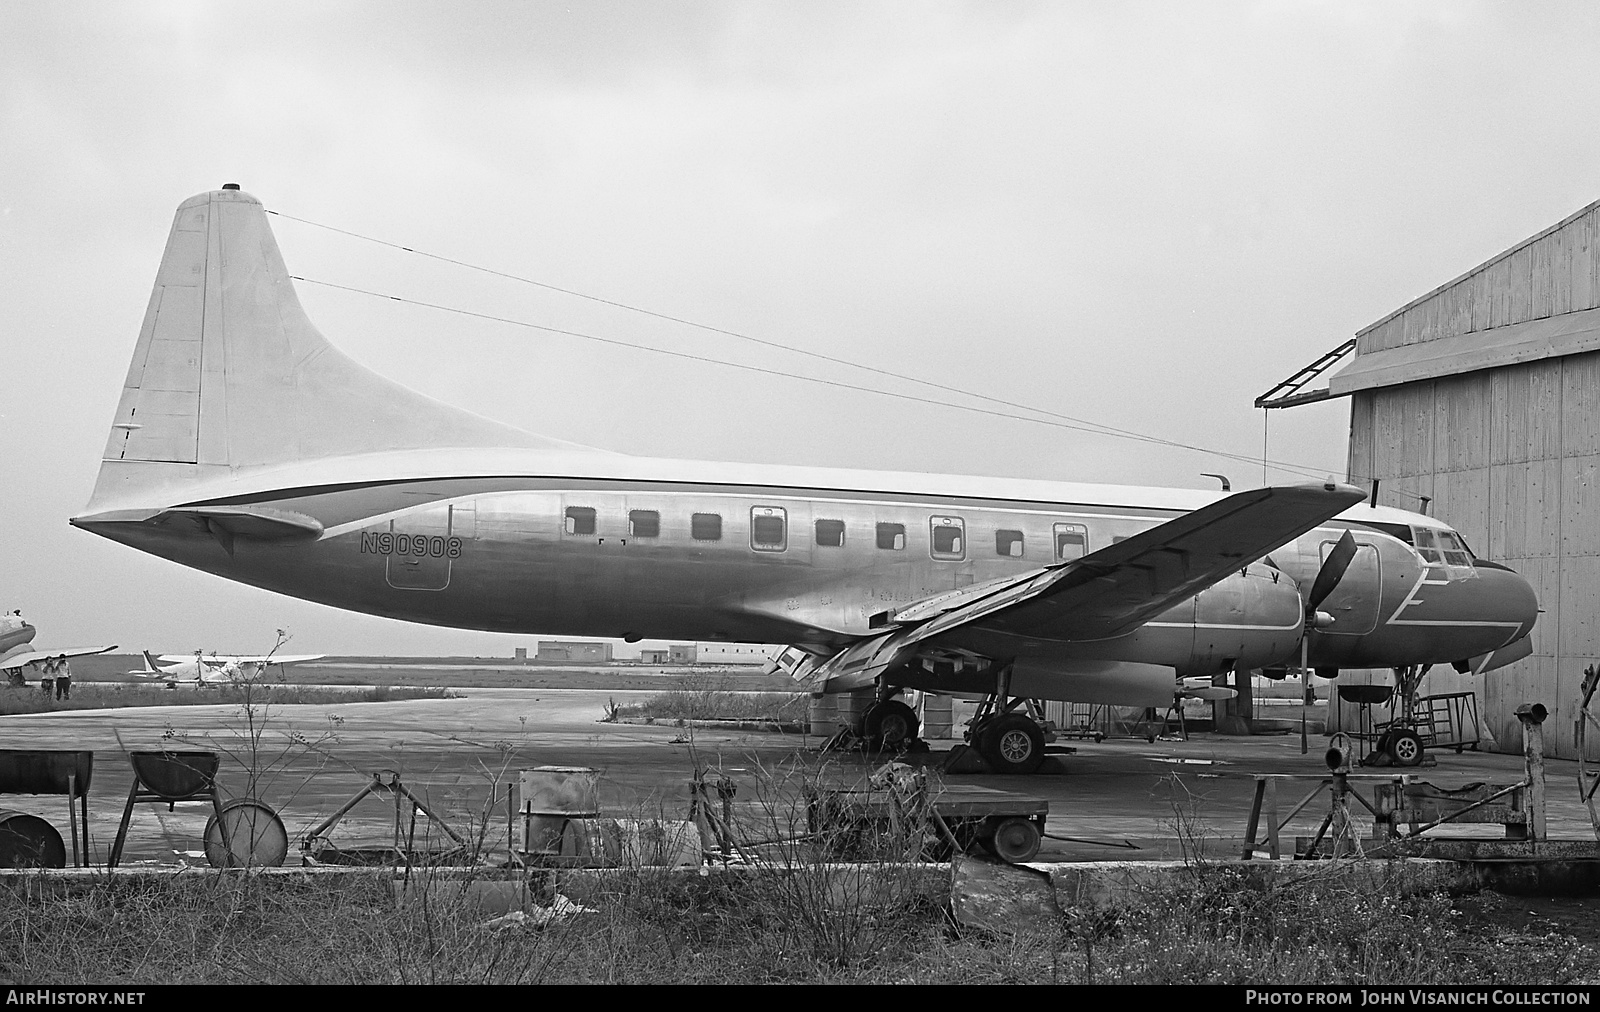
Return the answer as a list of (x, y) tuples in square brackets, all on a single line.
[(559, 651)]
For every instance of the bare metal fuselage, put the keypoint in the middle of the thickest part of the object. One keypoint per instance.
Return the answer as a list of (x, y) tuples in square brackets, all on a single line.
[(503, 554)]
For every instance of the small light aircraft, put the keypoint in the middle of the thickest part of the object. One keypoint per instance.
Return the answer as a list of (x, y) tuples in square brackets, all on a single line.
[(246, 445), (213, 669), (17, 653)]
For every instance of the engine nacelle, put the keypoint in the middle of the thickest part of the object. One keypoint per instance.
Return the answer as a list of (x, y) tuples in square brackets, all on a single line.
[(1116, 683), (1251, 619)]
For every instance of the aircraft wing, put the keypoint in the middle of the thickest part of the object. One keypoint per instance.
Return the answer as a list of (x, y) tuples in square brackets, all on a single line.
[(40, 656), (1112, 591), (222, 660)]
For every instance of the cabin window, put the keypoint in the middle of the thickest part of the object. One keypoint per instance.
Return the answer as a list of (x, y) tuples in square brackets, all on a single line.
[(892, 537), (1008, 543), (949, 537), (706, 527), (580, 520), (830, 533), (1072, 541), (644, 523), (769, 529)]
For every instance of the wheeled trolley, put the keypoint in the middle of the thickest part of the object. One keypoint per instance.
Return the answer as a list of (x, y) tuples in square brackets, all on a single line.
[(932, 823)]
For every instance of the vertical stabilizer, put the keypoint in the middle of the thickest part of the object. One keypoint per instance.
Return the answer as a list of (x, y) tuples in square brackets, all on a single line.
[(229, 373)]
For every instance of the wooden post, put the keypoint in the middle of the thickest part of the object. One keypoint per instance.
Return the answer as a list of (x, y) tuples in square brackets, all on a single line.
[(1532, 715), (72, 816), (1274, 848)]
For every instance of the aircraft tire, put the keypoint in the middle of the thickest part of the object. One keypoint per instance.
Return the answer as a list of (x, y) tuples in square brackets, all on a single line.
[(1012, 744), (1405, 748), (891, 724)]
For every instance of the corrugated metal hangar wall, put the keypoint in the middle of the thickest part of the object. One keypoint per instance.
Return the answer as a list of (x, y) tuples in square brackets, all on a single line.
[(1484, 395)]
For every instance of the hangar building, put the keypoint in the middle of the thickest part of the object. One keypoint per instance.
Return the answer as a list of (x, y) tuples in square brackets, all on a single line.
[(1484, 397)]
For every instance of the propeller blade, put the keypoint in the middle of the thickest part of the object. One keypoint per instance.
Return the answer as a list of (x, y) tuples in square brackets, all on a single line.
[(1332, 571)]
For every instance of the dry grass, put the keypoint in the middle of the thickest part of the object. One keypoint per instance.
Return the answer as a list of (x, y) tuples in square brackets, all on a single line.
[(650, 927), (98, 696), (708, 698)]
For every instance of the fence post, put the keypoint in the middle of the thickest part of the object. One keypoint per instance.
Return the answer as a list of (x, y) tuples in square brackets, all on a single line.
[(1532, 715)]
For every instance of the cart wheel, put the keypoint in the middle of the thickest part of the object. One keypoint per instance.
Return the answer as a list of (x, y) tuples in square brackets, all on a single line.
[(891, 724), (1012, 744), (1405, 748), (1014, 841)]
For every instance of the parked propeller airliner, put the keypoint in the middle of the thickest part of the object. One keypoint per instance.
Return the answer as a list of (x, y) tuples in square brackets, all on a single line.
[(17, 652), (245, 445)]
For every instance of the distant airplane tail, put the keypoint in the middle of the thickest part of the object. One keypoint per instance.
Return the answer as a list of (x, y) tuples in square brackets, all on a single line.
[(150, 663), (230, 374)]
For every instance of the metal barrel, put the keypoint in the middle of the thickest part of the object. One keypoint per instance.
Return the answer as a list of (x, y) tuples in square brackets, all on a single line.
[(938, 716), (175, 776), (27, 841), (551, 797), (44, 771), (569, 791), (853, 707), (824, 715)]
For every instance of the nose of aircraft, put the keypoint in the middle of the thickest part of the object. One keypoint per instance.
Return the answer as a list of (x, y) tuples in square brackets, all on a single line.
[(1505, 597)]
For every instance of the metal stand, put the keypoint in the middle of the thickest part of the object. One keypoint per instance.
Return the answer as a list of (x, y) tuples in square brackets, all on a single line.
[(1588, 776), (384, 782), (27, 771), (170, 777), (711, 824)]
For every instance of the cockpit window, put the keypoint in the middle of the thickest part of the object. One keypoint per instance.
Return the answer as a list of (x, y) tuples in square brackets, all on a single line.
[(1441, 548), (1455, 550)]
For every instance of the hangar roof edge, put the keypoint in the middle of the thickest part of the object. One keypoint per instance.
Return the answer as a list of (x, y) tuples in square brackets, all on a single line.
[(1419, 300), (1549, 337)]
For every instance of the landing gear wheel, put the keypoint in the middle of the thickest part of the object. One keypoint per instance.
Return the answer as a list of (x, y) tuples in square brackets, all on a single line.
[(1014, 841), (1012, 744), (891, 724), (1405, 748)]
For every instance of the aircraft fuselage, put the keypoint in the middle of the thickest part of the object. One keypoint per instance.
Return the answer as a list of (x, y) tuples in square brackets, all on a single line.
[(814, 566)]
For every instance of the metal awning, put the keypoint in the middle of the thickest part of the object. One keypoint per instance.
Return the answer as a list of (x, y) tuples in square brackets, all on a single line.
[(1289, 392)]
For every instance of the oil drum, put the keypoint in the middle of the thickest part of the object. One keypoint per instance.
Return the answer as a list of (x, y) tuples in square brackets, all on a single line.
[(27, 841)]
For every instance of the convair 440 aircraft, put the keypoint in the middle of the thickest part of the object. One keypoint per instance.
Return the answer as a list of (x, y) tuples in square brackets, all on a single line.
[(247, 446)]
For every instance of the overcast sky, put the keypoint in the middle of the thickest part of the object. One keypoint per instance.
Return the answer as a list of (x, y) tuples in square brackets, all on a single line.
[(1142, 215)]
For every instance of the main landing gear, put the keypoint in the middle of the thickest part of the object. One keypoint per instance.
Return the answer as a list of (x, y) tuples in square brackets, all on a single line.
[(891, 725), (1008, 734)]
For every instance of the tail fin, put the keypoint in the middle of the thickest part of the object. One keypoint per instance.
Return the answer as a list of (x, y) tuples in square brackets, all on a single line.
[(150, 665), (229, 372)]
